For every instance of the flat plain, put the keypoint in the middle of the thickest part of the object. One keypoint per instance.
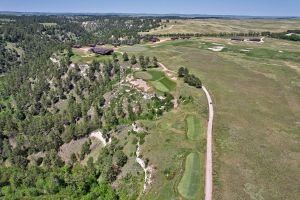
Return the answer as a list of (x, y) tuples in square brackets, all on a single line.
[(226, 25)]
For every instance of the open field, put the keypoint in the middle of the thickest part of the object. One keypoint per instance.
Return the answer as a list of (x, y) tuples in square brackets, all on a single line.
[(226, 25), (257, 112), (194, 128), (157, 79), (189, 185), (82, 56)]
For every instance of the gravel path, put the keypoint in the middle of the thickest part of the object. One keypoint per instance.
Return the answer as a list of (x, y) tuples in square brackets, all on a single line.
[(208, 173)]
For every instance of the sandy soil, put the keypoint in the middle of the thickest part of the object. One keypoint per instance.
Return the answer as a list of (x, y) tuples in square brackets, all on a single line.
[(169, 73), (139, 83), (98, 135), (148, 170)]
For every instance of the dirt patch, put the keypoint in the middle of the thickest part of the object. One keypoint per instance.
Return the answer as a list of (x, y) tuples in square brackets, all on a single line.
[(98, 135), (169, 73), (66, 150), (139, 83)]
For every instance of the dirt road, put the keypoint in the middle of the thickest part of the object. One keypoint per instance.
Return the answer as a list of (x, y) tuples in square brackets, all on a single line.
[(208, 172)]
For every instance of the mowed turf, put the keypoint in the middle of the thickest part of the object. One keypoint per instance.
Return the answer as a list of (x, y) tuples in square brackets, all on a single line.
[(189, 185), (158, 79), (194, 128), (143, 75)]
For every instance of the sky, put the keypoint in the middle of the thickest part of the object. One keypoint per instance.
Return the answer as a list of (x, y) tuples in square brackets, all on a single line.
[(210, 7)]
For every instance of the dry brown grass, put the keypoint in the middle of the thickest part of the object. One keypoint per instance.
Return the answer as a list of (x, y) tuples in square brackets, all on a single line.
[(217, 26)]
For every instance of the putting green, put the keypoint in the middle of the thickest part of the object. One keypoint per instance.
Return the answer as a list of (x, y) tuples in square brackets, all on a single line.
[(189, 185), (194, 128)]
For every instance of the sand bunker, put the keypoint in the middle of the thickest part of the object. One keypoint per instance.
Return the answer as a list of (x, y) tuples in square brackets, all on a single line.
[(217, 48)]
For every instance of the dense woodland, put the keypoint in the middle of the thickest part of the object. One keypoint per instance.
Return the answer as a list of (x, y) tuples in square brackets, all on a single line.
[(44, 105)]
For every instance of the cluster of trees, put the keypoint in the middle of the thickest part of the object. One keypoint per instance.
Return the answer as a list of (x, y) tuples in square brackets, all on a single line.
[(118, 30), (293, 35), (54, 180), (144, 62), (44, 105), (9, 58), (282, 35), (190, 79)]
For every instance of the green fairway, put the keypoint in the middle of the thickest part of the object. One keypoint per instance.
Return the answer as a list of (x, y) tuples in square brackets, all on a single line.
[(160, 86), (194, 128), (189, 185), (143, 75), (158, 80)]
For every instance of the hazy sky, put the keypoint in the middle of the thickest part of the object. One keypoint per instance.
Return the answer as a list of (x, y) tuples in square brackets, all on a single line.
[(219, 7)]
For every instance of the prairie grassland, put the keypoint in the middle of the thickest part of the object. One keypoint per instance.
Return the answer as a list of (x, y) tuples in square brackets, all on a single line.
[(226, 25), (257, 112)]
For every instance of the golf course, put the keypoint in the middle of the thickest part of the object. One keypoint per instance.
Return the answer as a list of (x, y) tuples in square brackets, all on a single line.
[(255, 87)]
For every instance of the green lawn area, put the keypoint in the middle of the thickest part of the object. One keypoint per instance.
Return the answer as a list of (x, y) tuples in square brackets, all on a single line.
[(158, 79), (143, 75), (189, 185), (135, 48), (194, 128), (80, 57)]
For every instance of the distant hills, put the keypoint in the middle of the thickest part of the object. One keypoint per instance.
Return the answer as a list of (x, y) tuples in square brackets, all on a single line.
[(171, 15)]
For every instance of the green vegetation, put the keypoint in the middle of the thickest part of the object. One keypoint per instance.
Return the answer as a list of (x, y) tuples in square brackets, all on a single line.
[(49, 24), (158, 79), (143, 75), (249, 112), (194, 128), (53, 96), (81, 57), (189, 185)]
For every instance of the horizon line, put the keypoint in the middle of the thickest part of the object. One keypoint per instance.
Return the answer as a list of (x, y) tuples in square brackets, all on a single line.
[(149, 14)]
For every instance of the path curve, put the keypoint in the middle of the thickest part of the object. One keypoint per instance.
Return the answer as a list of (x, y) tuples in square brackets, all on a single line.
[(208, 172)]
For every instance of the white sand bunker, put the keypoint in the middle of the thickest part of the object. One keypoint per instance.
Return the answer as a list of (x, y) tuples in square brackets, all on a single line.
[(217, 48)]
